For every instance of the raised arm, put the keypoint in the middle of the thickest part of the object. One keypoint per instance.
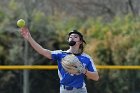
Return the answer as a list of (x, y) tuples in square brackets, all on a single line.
[(26, 34)]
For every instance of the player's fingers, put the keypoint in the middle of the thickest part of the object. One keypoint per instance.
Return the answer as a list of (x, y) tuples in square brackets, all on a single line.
[(24, 34), (24, 30)]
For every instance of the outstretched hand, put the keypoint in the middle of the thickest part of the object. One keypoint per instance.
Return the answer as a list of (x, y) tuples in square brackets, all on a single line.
[(25, 33)]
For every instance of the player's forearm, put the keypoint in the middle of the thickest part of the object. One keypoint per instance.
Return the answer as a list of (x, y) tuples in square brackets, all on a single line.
[(35, 45), (92, 75), (39, 48)]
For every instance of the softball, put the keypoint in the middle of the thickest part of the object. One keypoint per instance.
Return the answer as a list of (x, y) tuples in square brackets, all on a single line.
[(20, 23)]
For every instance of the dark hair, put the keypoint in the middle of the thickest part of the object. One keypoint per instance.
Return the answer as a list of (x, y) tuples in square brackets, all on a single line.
[(76, 32), (81, 38)]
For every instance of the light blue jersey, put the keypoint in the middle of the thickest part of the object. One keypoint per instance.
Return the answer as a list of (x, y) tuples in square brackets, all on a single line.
[(72, 80)]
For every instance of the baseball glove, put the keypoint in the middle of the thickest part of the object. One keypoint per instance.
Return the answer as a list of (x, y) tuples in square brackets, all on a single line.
[(72, 65)]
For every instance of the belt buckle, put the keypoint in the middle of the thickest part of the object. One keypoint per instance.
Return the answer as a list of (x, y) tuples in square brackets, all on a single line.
[(68, 88)]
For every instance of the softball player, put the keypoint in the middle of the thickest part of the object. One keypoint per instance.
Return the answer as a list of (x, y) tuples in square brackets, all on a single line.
[(69, 82)]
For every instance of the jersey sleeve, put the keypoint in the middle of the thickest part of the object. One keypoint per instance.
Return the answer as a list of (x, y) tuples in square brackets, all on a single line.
[(91, 67), (56, 55)]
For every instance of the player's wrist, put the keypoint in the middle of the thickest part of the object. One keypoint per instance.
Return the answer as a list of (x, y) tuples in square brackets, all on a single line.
[(85, 71)]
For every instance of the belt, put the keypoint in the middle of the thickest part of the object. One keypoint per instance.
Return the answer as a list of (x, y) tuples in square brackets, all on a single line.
[(68, 87)]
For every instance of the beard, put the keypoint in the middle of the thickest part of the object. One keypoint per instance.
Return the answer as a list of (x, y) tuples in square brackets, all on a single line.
[(72, 43)]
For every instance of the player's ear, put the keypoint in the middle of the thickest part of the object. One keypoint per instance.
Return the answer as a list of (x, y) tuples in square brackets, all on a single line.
[(81, 42)]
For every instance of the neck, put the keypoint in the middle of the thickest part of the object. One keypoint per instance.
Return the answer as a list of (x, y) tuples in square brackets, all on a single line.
[(74, 50)]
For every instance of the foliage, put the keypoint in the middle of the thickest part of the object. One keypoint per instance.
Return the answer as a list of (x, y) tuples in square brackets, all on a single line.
[(113, 42)]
